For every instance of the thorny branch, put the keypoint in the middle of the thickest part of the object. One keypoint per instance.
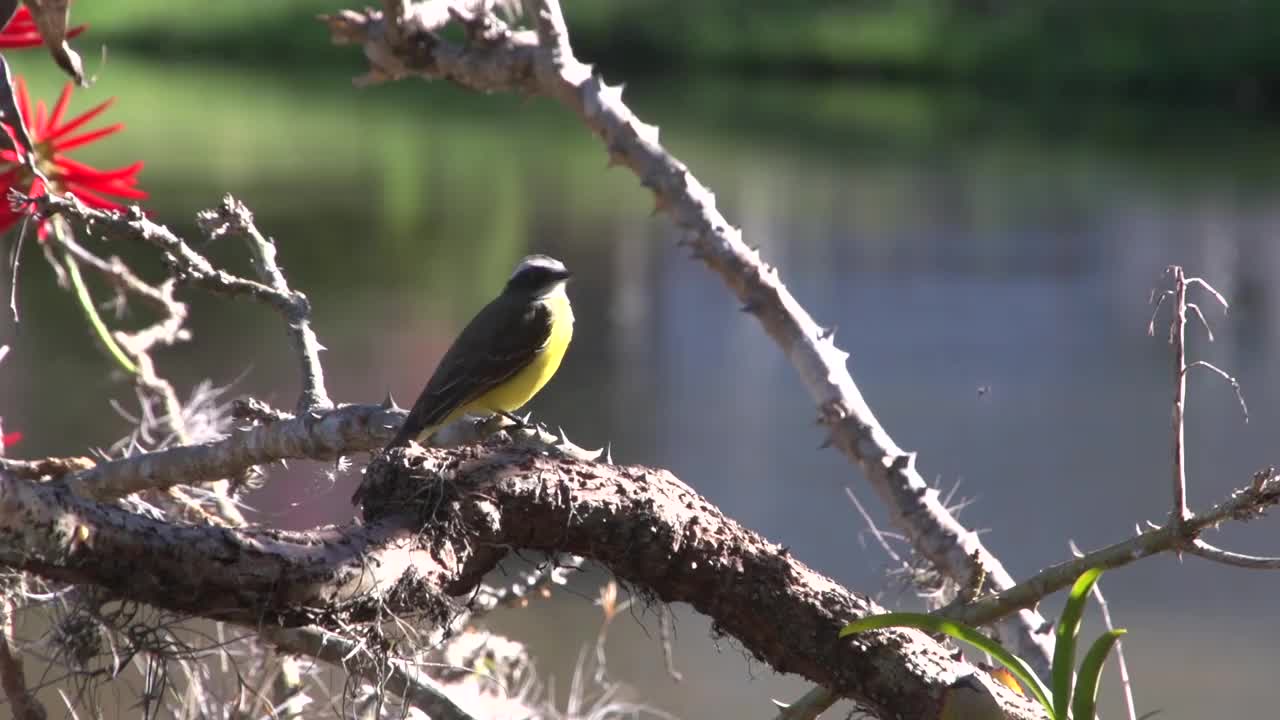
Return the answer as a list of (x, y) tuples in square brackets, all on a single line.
[(1245, 504), (436, 522), (190, 267), (319, 435), (133, 352), (498, 58), (233, 217)]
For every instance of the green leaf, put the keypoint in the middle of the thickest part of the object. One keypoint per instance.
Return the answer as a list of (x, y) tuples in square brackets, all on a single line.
[(1064, 649), (1086, 698), (964, 633)]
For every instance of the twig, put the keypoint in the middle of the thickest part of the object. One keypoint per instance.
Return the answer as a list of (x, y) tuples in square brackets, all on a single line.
[(232, 217), (1235, 384), (132, 351), (286, 687), (187, 265), (120, 275), (191, 267), (15, 263), (401, 678), (1178, 336), (12, 678), (1125, 683), (1244, 504), (1226, 557), (873, 528)]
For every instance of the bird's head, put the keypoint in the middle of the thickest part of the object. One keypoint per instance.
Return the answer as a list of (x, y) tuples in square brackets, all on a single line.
[(538, 276)]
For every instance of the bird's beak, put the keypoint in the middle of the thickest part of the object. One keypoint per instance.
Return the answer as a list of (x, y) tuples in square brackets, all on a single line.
[(563, 275)]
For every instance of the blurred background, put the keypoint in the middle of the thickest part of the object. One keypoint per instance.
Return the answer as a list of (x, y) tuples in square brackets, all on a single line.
[(980, 194)]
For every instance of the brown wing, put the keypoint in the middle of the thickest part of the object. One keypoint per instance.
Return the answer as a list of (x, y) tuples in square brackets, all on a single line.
[(498, 342)]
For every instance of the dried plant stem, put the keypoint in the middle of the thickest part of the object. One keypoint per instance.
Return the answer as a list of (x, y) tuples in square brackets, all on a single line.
[(22, 703), (1178, 335)]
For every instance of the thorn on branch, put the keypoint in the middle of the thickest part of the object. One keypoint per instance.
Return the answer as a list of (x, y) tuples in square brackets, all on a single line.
[(617, 156), (257, 412), (481, 27), (389, 403), (349, 27), (646, 133), (610, 96), (905, 462), (1261, 478), (660, 203), (831, 412)]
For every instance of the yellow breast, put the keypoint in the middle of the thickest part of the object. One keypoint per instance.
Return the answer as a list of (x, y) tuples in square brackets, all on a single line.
[(513, 394)]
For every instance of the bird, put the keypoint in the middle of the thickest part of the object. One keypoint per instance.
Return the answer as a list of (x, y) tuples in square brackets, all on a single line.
[(503, 357)]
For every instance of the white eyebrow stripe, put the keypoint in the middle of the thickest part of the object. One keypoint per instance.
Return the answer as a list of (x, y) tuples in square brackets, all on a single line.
[(537, 261)]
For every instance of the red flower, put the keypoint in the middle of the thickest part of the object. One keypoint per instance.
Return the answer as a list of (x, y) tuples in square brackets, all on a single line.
[(21, 31), (52, 137), (10, 438)]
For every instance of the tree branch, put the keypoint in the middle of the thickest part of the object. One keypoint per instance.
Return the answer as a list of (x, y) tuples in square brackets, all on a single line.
[(318, 435), (437, 521), (324, 435)]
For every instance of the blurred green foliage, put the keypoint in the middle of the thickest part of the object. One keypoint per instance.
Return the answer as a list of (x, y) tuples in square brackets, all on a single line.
[(1158, 49)]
